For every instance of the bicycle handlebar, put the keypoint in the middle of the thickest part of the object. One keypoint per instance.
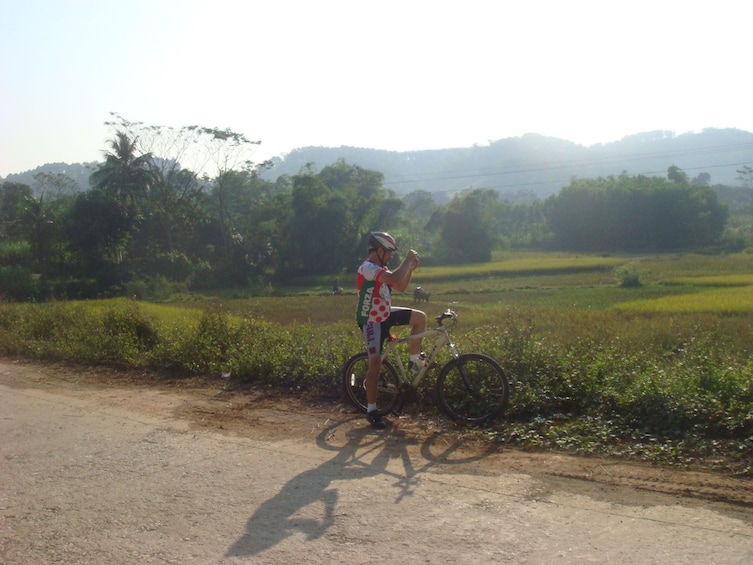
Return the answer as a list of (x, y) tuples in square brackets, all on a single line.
[(447, 314)]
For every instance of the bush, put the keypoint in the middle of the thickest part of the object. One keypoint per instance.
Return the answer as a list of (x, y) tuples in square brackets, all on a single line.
[(174, 266), (629, 274), (203, 278), (582, 381), (15, 253), (17, 284), (155, 287)]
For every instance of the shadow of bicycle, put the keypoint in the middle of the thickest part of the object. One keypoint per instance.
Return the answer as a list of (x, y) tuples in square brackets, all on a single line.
[(360, 453)]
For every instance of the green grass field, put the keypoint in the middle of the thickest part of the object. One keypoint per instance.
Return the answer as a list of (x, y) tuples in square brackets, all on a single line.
[(660, 370)]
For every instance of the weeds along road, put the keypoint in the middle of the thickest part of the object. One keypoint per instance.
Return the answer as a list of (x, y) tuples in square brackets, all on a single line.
[(120, 475)]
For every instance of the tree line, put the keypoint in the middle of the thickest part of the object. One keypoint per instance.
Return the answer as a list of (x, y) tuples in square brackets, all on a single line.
[(150, 223)]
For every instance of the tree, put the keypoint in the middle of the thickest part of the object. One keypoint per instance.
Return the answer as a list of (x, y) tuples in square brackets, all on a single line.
[(98, 231), (522, 224), (332, 213), (634, 214), (676, 174), (187, 211), (125, 176), (575, 214), (469, 226), (13, 198), (174, 204), (418, 209), (38, 227), (317, 228), (55, 185), (213, 154), (229, 152), (745, 176), (367, 206)]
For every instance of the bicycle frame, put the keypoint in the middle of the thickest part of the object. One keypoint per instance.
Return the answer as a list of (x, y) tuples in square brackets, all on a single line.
[(443, 340), (471, 387)]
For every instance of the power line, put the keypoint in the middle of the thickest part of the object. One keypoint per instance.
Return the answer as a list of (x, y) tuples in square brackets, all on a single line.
[(557, 165), (566, 181)]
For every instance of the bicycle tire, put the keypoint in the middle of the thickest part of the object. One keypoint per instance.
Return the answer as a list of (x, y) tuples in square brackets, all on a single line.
[(354, 378), (490, 389)]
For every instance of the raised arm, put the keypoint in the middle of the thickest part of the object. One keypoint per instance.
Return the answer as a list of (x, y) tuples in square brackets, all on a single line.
[(400, 277)]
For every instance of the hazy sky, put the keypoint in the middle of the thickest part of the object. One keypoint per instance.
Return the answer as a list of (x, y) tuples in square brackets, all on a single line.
[(387, 74)]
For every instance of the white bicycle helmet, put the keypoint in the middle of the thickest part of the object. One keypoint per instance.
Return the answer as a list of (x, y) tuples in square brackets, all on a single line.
[(383, 240)]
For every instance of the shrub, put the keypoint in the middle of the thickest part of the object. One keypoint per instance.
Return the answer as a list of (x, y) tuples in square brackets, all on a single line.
[(629, 274), (17, 284), (15, 253), (659, 385)]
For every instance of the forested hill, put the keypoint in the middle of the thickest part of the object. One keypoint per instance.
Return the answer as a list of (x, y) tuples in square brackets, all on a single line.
[(532, 165), (537, 164), (78, 173)]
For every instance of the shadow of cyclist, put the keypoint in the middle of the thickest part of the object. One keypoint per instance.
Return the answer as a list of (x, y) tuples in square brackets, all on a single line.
[(365, 454)]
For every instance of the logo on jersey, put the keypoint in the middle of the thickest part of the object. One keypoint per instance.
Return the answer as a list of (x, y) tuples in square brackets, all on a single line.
[(366, 302)]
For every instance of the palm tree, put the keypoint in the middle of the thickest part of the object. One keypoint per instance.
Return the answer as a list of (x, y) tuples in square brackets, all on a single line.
[(126, 180), (124, 176), (38, 225)]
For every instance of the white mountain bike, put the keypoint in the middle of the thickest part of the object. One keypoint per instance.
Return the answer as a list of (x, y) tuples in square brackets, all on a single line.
[(471, 388)]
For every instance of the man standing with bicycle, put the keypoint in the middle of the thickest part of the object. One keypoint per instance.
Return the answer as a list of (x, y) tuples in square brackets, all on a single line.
[(376, 315)]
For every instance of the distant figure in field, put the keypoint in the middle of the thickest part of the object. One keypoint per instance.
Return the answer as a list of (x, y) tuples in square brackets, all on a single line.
[(336, 288), (420, 295)]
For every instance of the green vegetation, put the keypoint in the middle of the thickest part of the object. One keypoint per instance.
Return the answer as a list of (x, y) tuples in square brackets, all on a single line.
[(517, 265), (637, 213), (660, 371), (186, 210), (644, 356), (738, 300)]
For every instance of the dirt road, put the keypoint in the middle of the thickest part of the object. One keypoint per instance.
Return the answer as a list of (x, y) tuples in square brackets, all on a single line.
[(95, 468)]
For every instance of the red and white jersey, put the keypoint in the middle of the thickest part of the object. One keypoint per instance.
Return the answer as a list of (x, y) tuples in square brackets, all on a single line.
[(374, 300)]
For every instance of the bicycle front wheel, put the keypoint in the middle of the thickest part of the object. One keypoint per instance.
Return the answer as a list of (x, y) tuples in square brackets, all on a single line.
[(473, 389), (354, 383)]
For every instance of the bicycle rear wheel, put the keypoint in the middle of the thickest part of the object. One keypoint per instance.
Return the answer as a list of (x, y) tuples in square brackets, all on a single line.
[(354, 379), (473, 389)]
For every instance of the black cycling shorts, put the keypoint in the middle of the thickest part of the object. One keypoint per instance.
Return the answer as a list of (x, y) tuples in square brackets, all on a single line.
[(375, 334)]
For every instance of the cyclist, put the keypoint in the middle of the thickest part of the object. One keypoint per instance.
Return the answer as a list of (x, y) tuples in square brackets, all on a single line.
[(376, 315)]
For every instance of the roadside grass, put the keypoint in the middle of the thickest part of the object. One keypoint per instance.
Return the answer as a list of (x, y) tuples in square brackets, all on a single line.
[(661, 371)]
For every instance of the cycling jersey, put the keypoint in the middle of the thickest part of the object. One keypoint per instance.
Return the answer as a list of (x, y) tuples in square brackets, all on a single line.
[(374, 299)]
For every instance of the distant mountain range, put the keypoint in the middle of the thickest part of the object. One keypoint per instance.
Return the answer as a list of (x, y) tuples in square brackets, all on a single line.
[(538, 164), (532, 164)]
